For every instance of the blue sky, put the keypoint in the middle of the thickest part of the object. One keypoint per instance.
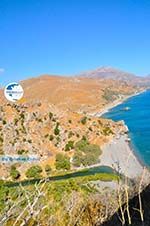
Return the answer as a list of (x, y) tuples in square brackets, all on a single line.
[(70, 36)]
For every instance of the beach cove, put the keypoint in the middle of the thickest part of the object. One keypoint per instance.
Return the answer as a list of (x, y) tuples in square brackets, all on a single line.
[(129, 153), (137, 118)]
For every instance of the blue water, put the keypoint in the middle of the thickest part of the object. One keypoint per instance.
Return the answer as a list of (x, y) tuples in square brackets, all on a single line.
[(138, 121)]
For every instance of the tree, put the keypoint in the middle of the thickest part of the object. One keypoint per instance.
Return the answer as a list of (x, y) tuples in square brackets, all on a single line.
[(81, 144), (86, 154), (62, 162), (77, 159), (34, 172), (92, 148)]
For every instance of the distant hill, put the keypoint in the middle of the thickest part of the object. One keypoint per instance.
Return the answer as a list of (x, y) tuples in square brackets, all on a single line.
[(109, 73), (116, 74)]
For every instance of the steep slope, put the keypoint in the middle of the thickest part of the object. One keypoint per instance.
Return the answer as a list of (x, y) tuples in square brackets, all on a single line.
[(134, 208)]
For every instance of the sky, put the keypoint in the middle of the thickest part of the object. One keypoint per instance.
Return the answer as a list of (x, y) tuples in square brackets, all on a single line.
[(67, 37)]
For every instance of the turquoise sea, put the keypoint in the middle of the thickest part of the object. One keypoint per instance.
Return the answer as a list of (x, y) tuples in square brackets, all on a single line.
[(137, 118)]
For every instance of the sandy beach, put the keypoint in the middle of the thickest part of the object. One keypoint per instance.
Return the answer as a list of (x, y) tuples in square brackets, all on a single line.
[(118, 155), (114, 104)]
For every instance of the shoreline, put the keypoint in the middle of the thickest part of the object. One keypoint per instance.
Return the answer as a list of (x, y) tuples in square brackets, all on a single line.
[(119, 152), (117, 102), (119, 155)]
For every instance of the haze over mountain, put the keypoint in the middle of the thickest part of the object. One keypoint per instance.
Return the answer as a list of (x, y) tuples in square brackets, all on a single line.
[(109, 73), (116, 74)]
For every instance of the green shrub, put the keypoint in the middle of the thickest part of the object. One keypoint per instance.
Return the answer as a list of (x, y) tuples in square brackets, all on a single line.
[(90, 159), (100, 123), (14, 173), (92, 148), (58, 139), (56, 130), (84, 138), (4, 122), (51, 137), (30, 141), (34, 172), (70, 134), (21, 152), (81, 144), (86, 154), (62, 162), (69, 145), (84, 159), (22, 116), (1, 151), (107, 131), (16, 121), (48, 169), (50, 115), (77, 135), (46, 136), (83, 120), (39, 120), (77, 159), (90, 128), (1, 139)]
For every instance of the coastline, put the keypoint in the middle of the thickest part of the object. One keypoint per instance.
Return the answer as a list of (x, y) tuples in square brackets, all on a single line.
[(117, 102), (119, 153)]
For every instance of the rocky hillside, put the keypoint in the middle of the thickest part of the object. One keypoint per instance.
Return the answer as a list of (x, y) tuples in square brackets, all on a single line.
[(74, 93), (44, 131), (53, 116)]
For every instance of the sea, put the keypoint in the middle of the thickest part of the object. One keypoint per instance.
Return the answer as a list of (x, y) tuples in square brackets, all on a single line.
[(135, 112)]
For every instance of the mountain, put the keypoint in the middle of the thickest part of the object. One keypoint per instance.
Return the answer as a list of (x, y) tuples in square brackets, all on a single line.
[(116, 74), (109, 73)]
